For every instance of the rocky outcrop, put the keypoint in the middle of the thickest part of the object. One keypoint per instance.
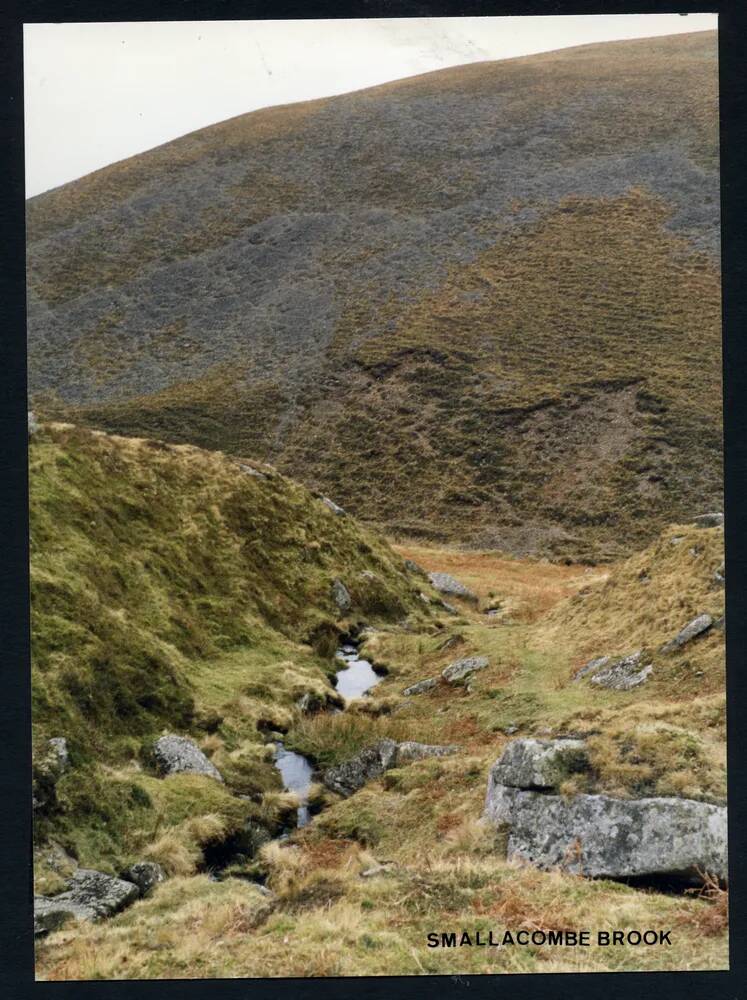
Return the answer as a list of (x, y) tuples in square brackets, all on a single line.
[(444, 583), (341, 596), (421, 686), (590, 667), (620, 674), (460, 669), (712, 520), (90, 895), (597, 835), (146, 875), (697, 627), (409, 751), (179, 755), (373, 761)]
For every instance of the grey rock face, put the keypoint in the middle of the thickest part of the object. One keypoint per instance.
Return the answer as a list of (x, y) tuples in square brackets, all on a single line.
[(444, 583), (179, 755), (531, 763), (90, 895), (698, 626), (370, 763), (341, 596), (713, 520), (421, 687), (599, 836), (146, 875), (335, 508), (409, 751), (591, 667), (459, 669), (623, 674)]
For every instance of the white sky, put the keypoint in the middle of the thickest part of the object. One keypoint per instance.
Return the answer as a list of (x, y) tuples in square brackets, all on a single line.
[(97, 93)]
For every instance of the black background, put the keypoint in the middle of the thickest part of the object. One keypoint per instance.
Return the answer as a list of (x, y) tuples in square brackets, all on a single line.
[(16, 939)]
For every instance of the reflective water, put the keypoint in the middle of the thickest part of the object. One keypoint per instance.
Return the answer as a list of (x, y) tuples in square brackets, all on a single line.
[(357, 677), (296, 773)]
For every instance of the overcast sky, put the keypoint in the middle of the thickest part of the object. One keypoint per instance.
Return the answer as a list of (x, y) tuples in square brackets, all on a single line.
[(97, 93)]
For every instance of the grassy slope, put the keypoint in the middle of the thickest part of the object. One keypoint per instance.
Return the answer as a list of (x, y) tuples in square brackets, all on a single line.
[(480, 305), (172, 590), (665, 738)]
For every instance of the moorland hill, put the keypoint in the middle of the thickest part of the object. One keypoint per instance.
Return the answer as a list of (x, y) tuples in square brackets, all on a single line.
[(479, 305)]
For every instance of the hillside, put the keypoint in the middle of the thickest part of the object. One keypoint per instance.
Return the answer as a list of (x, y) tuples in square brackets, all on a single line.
[(480, 305), (174, 589)]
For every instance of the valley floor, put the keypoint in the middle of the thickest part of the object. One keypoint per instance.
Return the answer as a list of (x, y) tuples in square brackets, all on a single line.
[(357, 891)]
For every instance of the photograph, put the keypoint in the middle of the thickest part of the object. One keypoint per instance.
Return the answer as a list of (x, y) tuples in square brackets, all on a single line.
[(376, 497)]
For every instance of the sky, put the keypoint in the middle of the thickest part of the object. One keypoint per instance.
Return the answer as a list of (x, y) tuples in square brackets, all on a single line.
[(97, 93)]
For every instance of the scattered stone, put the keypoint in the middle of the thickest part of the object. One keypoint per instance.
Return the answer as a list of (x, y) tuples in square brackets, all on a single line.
[(602, 837), (33, 423), (424, 598), (58, 748), (421, 687), (719, 623), (459, 669), (623, 674), (341, 596), (719, 576), (676, 539), (48, 768), (452, 640), (90, 895), (335, 508), (532, 763), (410, 751), (250, 471), (698, 626), (383, 868), (713, 520), (179, 755), (444, 583), (146, 875), (450, 608), (590, 667), (510, 730), (412, 567)]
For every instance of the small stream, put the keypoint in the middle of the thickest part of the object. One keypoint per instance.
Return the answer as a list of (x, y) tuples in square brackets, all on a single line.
[(353, 681), (358, 677)]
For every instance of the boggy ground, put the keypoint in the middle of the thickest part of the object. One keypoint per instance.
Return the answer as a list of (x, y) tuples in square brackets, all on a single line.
[(441, 869)]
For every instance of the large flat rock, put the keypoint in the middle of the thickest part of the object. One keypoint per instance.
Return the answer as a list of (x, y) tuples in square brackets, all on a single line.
[(597, 835)]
